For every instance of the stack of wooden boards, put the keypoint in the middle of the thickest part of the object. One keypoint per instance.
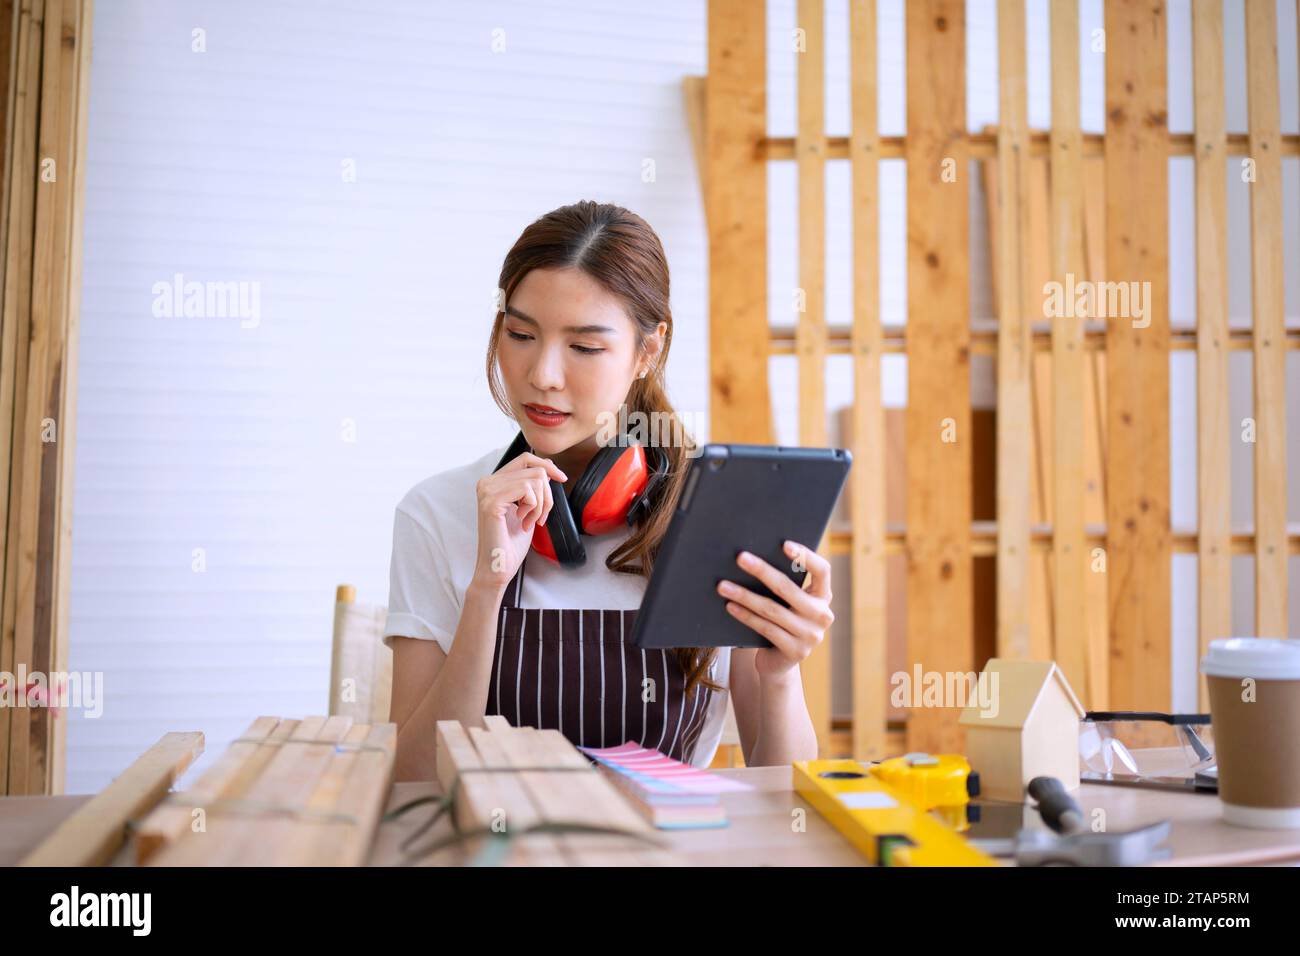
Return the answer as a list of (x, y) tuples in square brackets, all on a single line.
[(286, 793), (484, 768)]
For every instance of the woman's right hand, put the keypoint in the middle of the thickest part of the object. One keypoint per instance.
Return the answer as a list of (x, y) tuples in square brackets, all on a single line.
[(511, 502)]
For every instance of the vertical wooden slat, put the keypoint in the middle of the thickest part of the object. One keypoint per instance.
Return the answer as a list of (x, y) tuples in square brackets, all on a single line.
[(74, 52), (1069, 564), (1214, 506), (1014, 353), (939, 593), (1264, 142), (35, 525), (810, 332), (20, 553), (14, 132), (735, 189), (1097, 689), (867, 495), (1137, 362)]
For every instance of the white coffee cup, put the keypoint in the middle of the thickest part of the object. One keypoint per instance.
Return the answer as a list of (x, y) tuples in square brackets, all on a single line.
[(1254, 685)]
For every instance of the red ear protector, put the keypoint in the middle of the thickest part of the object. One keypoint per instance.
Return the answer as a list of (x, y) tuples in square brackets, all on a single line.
[(616, 487)]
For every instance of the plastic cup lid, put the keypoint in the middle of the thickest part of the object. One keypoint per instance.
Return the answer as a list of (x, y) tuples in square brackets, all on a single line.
[(1264, 658)]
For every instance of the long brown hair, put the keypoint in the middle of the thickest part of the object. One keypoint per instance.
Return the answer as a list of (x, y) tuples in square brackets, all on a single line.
[(619, 250)]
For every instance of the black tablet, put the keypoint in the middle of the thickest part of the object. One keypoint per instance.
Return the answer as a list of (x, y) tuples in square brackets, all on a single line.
[(736, 498)]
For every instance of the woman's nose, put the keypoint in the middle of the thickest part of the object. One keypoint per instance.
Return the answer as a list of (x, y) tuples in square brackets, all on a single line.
[(548, 371)]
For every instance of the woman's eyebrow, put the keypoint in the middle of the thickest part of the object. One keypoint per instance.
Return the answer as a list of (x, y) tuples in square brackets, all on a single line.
[(576, 329)]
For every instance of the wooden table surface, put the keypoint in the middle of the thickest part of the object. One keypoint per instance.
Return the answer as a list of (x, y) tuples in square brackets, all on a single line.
[(760, 831)]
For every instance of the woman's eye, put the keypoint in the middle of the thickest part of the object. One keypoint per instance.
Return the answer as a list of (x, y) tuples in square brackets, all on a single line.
[(518, 336), (586, 351)]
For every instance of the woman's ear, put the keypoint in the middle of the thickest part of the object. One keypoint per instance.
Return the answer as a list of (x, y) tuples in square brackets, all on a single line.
[(654, 345)]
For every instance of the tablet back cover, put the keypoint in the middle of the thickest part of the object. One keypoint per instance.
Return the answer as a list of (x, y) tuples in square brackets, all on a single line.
[(736, 497)]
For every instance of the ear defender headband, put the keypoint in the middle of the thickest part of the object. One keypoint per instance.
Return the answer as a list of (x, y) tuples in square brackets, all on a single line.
[(617, 487)]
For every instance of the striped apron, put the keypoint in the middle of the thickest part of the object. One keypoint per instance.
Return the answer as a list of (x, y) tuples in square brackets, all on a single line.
[(576, 670)]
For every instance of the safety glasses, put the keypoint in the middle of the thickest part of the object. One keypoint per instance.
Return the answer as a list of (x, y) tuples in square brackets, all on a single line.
[(1150, 747)]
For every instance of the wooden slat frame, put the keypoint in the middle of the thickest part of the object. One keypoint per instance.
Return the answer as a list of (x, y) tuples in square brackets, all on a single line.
[(867, 494), (1126, 646), (940, 589), (1214, 505), (1137, 358), (1269, 320)]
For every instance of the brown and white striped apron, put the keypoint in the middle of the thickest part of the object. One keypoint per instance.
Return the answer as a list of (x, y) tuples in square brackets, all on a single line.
[(576, 670)]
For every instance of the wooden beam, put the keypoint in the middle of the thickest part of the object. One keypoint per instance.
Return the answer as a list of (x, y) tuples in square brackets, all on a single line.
[(1214, 503), (1269, 320), (984, 336), (232, 773), (97, 829), (1069, 556), (1015, 298), (736, 211), (1137, 356), (983, 145), (19, 212), (939, 594), (867, 494), (810, 300)]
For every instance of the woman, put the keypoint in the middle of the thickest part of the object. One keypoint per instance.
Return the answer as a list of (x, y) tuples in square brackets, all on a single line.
[(582, 332)]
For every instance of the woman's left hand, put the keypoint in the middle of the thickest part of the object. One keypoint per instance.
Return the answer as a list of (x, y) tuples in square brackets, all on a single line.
[(793, 631)]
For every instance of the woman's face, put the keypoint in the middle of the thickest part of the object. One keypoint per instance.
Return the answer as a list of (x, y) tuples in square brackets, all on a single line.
[(569, 345)]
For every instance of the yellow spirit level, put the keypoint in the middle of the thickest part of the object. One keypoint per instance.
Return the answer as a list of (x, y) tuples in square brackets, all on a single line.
[(886, 825)]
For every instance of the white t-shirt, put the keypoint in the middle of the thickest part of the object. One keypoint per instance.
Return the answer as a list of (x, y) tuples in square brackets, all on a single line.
[(435, 543)]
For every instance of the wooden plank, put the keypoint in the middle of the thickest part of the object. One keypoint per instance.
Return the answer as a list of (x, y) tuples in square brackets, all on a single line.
[(282, 789), (735, 189), (1269, 321), (694, 98), (1097, 688), (1069, 556), (810, 332), (230, 775), (1214, 503), (588, 797), (1137, 357), (24, 477), (63, 55), (353, 789), (1015, 309), (499, 746), (34, 525), (867, 477), (192, 848), (939, 593), (983, 145), (68, 432), (97, 829), (984, 336), (20, 204)]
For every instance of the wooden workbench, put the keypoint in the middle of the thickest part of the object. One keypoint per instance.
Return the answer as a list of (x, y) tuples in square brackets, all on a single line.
[(760, 831)]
